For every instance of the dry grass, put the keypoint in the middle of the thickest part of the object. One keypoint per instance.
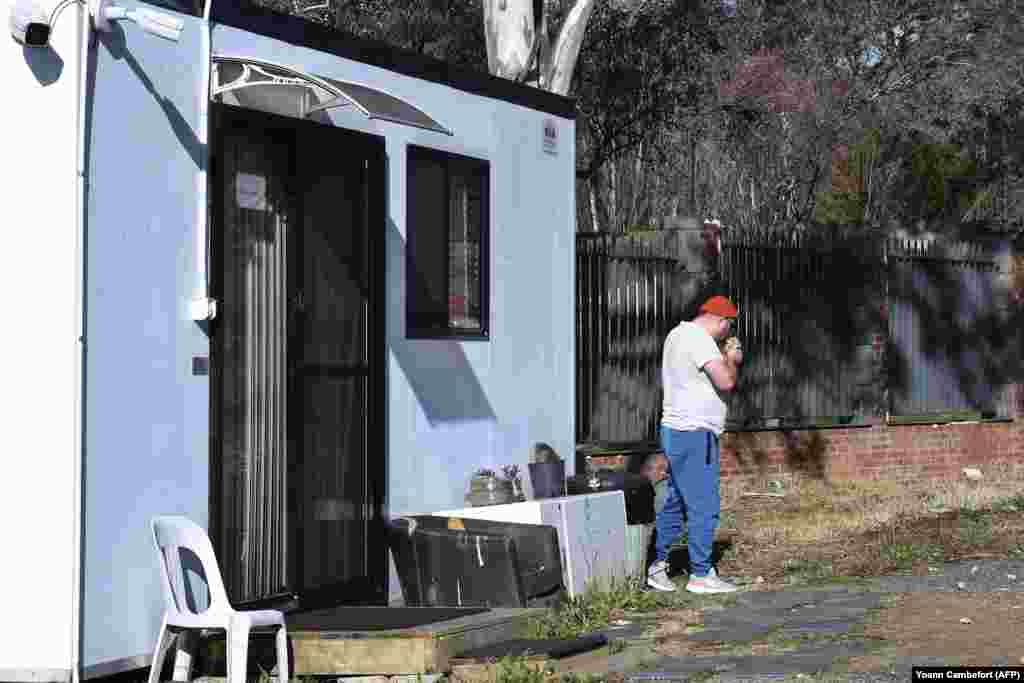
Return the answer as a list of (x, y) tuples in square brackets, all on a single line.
[(822, 530), (814, 511)]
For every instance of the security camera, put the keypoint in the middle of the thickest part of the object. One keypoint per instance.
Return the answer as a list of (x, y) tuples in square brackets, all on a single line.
[(30, 23)]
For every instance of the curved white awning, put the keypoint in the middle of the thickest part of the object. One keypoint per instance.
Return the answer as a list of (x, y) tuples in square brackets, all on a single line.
[(257, 84)]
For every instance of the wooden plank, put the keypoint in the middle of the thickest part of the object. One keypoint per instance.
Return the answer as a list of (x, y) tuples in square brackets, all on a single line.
[(423, 649)]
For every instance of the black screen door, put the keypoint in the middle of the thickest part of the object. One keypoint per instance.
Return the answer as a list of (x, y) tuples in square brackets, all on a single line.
[(297, 354)]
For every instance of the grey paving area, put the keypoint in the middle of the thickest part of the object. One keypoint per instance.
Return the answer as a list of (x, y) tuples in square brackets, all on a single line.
[(972, 576), (818, 626)]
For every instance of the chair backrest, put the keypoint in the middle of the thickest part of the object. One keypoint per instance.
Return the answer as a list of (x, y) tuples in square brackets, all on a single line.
[(172, 535)]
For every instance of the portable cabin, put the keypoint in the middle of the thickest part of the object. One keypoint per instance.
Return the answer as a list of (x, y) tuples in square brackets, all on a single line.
[(278, 280)]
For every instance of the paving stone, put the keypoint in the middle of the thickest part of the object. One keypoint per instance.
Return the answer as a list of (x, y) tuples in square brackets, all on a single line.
[(820, 628), (789, 599), (632, 631), (739, 634), (808, 659)]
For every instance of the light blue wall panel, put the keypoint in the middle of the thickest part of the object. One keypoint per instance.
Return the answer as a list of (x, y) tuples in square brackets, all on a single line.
[(457, 406), (146, 414)]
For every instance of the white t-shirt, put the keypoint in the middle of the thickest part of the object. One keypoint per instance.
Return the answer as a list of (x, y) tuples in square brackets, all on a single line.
[(690, 399)]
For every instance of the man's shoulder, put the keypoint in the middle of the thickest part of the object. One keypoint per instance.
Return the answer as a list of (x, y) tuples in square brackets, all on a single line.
[(689, 330)]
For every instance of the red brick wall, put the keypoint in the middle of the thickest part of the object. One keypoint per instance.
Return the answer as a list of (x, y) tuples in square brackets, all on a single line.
[(895, 452)]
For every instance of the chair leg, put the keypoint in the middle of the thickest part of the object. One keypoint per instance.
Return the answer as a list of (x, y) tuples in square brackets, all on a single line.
[(238, 650), (282, 655), (185, 656), (163, 643)]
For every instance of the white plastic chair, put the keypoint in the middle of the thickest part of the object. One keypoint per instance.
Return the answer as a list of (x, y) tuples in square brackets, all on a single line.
[(171, 535)]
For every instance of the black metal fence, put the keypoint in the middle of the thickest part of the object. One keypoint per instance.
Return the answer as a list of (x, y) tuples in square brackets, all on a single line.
[(811, 321), (951, 350), (628, 296), (835, 329)]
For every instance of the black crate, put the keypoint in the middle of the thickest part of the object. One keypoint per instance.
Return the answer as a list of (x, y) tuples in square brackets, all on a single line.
[(445, 561)]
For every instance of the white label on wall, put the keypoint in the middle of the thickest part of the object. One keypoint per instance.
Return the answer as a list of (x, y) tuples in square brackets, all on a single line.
[(251, 192), (550, 137)]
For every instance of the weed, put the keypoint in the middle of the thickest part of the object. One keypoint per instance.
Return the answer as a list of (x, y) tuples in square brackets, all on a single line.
[(807, 571), (517, 670), (905, 555), (617, 646), (975, 527), (1012, 504), (1016, 551), (727, 520), (580, 678), (593, 610)]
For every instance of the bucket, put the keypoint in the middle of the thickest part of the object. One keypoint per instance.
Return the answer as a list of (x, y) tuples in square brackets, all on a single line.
[(638, 539), (548, 479)]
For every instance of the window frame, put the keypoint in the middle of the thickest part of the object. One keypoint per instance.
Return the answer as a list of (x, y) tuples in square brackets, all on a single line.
[(482, 167)]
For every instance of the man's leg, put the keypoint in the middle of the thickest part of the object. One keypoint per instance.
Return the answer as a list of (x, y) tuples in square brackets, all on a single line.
[(698, 480), (700, 486), (668, 521)]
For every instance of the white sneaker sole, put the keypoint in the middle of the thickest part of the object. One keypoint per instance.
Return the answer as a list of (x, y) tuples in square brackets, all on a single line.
[(704, 590)]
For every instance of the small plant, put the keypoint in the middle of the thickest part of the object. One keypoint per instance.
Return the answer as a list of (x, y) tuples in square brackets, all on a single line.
[(1011, 504), (544, 454), (517, 670), (1016, 551), (807, 571), (905, 555), (593, 610), (975, 527)]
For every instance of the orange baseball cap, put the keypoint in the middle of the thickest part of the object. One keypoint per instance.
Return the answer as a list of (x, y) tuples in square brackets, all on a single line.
[(719, 305)]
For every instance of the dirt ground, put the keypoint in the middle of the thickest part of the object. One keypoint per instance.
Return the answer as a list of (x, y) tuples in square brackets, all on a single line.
[(930, 625), (914, 624)]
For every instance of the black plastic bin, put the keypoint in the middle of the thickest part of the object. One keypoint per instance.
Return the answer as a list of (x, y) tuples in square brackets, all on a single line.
[(637, 489), (454, 561)]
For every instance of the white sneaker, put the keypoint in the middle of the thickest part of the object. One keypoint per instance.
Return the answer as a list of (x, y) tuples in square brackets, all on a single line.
[(708, 584), (657, 577)]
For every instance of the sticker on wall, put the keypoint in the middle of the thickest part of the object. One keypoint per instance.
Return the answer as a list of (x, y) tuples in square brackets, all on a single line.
[(550, 137), (251, 192)]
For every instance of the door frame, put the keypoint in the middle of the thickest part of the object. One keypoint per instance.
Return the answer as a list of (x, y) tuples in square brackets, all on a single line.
[(372, 588)]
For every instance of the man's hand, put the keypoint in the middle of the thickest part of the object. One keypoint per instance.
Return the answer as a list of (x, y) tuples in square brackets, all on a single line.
[(733, 350)]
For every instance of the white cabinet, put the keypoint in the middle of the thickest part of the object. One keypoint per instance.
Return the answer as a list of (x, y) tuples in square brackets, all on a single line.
[(591, 532)]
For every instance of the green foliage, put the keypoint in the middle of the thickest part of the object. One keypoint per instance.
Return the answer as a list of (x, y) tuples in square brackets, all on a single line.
[(1011, 504), (975, 527), (517, 670), (932, 165), (845, 203), (592, 611), (839, 208), (905, 555), (807, 571)]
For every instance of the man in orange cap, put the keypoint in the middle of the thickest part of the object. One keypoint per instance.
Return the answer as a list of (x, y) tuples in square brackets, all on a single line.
[(694, 374)]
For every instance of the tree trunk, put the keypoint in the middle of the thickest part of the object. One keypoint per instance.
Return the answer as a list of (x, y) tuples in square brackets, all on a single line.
[(613, 195), (510, 32), (637, 187), (595, 216), (516, 36), (556, 74)]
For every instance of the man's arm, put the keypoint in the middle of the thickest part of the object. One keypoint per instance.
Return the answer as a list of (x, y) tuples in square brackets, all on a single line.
[(724, 370)]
